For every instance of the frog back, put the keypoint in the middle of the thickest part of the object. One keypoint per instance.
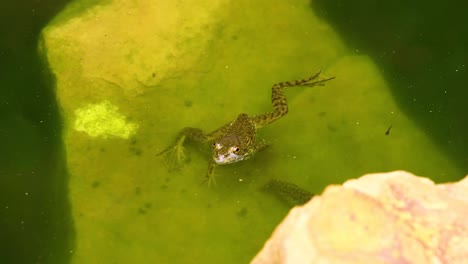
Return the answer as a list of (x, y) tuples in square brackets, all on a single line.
[(243, 129)]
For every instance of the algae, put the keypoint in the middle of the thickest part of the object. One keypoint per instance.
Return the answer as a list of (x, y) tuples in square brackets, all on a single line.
[(103, 120)]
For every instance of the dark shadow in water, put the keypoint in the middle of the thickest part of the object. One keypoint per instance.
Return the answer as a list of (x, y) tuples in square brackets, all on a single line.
[(422, 50), (35, 221)]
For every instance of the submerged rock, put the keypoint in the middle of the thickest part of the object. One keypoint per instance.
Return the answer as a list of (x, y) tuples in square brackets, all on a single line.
[(379, 218)]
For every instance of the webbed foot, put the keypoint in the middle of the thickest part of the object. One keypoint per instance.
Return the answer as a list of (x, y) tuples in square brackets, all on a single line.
[(210, 175), (316, 80), (175, 155), (211, 180)]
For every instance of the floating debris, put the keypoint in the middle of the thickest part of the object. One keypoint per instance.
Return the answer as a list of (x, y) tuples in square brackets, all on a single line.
[(388, 131)]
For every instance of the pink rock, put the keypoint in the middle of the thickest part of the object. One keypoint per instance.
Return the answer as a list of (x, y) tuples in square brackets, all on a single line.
[(391, 217)]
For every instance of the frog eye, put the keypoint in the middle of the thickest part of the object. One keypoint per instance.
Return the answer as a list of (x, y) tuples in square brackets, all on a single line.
[(235, 149), (217, 145)]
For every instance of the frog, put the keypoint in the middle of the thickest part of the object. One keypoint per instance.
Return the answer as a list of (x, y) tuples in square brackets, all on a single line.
[(237, 140)]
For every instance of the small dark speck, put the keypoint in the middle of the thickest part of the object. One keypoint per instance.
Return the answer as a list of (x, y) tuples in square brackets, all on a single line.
[(136, 151), (188, 103), (242, 212), (148, 205), (322, 114), (133, 141), (168, 179), (153, 75), (141, 211), (137, 190), (102, 149), (209, 205), (388, 131), (95, 184), (332, 128), (183, 191), (164, 186)]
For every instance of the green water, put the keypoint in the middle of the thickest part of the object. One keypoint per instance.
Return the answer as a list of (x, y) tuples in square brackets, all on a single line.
[(421, 49), (126, 206), (35, 221)]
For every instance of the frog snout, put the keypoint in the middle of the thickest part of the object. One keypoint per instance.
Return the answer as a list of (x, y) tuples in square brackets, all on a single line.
[(220, 159)]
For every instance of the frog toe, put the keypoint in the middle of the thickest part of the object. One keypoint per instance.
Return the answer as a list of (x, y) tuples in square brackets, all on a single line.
[(175, 157), (210, 180)]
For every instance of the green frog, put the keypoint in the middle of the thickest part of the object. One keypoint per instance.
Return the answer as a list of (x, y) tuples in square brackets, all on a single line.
[(236, 140)]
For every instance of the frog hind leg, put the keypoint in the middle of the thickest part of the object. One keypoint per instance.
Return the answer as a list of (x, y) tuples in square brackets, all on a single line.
[(175, 154), (278, 99)]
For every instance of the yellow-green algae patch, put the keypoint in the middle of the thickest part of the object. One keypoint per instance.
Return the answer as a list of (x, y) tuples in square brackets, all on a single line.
[(103, 120)]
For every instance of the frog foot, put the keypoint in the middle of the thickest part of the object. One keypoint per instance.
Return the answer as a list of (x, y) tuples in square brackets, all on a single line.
[(316, 80), (211, 180), (210, 175), (175, 155)]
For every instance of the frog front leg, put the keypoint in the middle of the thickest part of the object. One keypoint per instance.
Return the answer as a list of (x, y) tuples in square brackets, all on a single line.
[(175, 153), (210, 175), (259, 146)]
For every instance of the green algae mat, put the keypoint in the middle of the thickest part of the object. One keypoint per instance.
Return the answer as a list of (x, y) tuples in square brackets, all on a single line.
[(131, 74)]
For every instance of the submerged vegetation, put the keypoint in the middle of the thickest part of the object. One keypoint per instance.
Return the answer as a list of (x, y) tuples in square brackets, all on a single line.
[(288, 192)]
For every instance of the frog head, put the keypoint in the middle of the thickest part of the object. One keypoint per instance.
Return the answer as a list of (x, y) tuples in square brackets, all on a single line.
[(229, 150)]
